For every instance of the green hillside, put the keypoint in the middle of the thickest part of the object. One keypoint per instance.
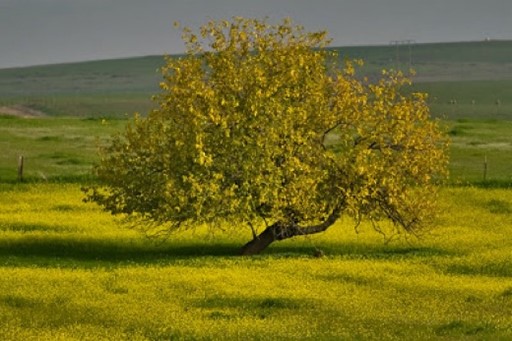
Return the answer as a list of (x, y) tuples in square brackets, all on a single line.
[(459, 52), (464, 80), (90, 89), (110, 76), (123, 86)]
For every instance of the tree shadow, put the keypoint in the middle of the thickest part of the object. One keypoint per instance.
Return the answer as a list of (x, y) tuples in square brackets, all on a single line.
[(355, 250), (62, 252), (73, 251)]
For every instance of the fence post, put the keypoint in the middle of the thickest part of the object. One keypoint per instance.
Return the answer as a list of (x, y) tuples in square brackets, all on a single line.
[(485, 168), (20, 168)]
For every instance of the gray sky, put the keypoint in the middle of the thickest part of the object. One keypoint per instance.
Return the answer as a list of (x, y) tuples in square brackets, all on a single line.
[(53, 31)]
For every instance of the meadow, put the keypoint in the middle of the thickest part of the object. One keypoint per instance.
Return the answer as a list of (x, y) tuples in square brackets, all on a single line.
[(71, 271), (57, 148), (54, 149)]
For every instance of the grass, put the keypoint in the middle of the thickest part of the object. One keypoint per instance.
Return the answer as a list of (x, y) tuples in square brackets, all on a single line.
[(109, 88), (70, 271), (105, 76), (53, 148), (469, 86), (116, 106), (116, 87), (465, 61), (64, 149), (471, 100), (474, 143)]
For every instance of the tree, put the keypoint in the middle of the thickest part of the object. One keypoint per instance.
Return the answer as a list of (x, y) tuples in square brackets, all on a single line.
[(260, 126)]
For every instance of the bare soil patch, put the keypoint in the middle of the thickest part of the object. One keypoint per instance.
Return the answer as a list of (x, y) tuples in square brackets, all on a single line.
[(21, 111)]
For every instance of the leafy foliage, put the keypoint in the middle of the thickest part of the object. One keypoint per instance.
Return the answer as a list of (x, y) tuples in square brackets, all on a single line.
[(259, 124)]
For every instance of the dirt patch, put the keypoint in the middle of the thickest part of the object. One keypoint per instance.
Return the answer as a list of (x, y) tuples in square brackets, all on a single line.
[(21, 111)]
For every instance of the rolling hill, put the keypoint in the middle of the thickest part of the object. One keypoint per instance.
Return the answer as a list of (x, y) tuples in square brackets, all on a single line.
[(475, 75)]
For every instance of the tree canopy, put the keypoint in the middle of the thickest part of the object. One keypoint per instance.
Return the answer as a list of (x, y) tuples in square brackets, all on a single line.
[(261, 126)]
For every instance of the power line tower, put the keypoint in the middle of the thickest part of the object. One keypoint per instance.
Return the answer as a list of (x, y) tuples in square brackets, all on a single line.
[(408, 44)]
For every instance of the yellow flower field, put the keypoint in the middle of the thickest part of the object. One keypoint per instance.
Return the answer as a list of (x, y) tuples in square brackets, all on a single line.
[(69, 271)]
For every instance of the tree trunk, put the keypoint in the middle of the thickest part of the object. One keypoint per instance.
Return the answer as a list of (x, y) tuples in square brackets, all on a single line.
[(281, 231), (260, 242)]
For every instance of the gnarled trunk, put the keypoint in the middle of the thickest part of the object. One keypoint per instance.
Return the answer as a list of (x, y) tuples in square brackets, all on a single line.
[(281, 231)]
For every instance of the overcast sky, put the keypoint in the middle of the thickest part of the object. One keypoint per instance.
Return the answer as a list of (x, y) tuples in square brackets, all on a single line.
[(53, 31)]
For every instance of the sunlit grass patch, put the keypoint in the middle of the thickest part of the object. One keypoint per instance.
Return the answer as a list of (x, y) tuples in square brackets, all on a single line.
[(52, 148)]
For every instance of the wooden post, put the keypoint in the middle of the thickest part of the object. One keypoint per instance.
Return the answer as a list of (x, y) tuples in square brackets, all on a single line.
[(20, 168), (485, 168)]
